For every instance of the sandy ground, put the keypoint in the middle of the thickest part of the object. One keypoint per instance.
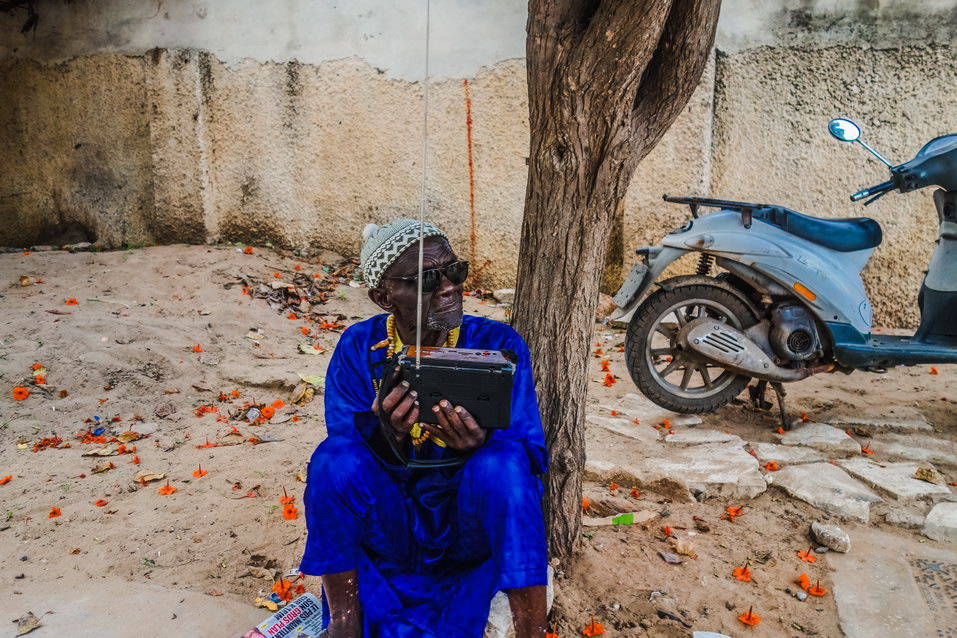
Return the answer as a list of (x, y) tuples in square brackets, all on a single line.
[(147, 564)]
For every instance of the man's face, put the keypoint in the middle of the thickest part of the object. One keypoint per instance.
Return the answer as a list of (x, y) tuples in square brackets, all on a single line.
[(442, 308)]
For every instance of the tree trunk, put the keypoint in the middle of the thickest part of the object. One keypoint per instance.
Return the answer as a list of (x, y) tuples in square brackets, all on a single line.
[(606, 78)]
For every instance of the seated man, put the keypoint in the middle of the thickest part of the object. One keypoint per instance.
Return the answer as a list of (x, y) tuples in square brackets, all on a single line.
[(420, 553)]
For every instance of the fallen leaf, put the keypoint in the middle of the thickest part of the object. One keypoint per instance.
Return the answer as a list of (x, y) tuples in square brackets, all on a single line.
[(103, 468), (27, 623), (106, 451), (214, 592), (145, 477), (683, 547), (306, 348), (129, 435)]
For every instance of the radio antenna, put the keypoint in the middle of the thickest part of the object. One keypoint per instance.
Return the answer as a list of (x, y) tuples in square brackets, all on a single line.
[(422, 205)]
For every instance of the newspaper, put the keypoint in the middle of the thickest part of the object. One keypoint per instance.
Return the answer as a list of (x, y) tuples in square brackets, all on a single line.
[(300, 618)]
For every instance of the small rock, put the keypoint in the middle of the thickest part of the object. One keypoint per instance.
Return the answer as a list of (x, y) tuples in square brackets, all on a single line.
[(644, 623), (668, 557), (831, 536), (82, 246), (787, 590), (941, 523), (930, 475), (821, 550), (504, 295), (729, 605), (802, 596), (20, 576), (23, 558)]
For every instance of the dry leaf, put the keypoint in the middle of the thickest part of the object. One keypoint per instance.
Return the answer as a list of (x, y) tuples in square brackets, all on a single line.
[(103, 468), (148, 477), (683, 547), (303, 394), (27, 623), (25, 281), (307, 348), (103, 451), (128, 436), (301, 475), (261, 572)]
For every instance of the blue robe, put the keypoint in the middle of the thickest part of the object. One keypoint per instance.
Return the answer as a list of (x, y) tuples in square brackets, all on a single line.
[(431, 546)]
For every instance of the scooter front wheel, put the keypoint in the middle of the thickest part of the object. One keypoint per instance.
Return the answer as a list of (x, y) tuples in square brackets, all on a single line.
[(675, 379)]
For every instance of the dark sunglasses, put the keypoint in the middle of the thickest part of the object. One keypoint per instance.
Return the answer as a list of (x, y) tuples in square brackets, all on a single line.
[(456, 272)]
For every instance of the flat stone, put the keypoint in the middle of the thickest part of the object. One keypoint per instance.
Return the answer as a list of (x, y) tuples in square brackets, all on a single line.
[(499, 624), (896, 479), (914, 423), (828, 488), (916, 447), (786, 454), (831, 536), (701, 436), (823, 437), (906, 592), (637, 406), (714, 469), (624, 427), (941, 523), (905, 518)]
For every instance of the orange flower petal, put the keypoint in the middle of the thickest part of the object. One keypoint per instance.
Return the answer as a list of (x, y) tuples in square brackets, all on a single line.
[(101, 503), (585, 503), (807, 557), (198, 348), (749, 618), (72, 301), (289, 512), (200, 473), (6, 479), (20, 393), (248, 250), (54, 512), (613, 486)]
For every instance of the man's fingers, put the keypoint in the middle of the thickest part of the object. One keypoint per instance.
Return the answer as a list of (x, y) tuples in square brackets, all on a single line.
[(471, 425), (396, 395), (398, 415), (410, 418)]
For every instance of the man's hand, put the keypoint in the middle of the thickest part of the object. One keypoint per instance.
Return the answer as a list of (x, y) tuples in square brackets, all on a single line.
[(457, 428), (401, 407)]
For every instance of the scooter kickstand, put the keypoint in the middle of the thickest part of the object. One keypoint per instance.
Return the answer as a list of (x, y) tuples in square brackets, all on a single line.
[(757, 392), (779, 391)]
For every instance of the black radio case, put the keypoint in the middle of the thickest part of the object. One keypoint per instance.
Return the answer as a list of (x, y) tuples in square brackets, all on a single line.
[(478, 380)]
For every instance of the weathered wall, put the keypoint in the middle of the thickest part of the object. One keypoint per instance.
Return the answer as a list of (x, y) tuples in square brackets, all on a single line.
[(194, 121)]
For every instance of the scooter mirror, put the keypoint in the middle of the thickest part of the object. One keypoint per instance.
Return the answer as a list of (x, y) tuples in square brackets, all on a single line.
[(844, 130)]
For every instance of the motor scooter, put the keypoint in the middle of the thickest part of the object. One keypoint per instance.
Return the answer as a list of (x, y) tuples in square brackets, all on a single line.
[(778, 296)]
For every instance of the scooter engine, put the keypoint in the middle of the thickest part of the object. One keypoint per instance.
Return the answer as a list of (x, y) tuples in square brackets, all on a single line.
[(794, 335)]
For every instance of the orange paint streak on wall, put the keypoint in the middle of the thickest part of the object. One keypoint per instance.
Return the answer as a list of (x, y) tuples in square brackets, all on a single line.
[(468, 126)]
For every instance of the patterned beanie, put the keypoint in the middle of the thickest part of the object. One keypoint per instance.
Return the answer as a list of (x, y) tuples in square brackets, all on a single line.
[(382, 245)]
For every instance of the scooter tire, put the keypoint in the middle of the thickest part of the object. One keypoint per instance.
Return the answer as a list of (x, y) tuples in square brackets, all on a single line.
[(642, 328)]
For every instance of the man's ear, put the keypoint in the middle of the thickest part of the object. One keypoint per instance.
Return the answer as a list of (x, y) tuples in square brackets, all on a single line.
[(382, 298)]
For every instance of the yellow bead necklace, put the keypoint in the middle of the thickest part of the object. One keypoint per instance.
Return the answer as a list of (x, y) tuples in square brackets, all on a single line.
[(394, 343)]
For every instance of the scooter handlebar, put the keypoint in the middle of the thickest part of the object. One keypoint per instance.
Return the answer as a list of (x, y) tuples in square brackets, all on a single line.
[(883, 187)]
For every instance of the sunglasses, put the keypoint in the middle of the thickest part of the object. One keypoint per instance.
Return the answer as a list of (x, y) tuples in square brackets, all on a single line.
[(456, 272)]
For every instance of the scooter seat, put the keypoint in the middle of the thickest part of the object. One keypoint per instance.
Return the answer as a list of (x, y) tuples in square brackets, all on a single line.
[(842, 235)]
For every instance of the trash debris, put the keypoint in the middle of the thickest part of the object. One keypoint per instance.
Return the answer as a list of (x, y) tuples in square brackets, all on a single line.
[(670, 558)]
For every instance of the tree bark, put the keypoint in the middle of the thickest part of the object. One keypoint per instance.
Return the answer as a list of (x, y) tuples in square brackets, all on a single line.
[(606, 78)]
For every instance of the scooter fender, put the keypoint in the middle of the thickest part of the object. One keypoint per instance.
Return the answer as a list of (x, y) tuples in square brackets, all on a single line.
[(642, 276)]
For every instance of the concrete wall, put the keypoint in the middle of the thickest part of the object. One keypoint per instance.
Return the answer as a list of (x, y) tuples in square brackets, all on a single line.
[(299, 123)]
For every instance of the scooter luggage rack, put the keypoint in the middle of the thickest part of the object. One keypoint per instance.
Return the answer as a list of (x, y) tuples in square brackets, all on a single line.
[(746, 208)]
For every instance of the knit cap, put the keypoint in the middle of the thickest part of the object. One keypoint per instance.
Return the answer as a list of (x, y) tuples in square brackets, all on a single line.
[(382, 245)]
